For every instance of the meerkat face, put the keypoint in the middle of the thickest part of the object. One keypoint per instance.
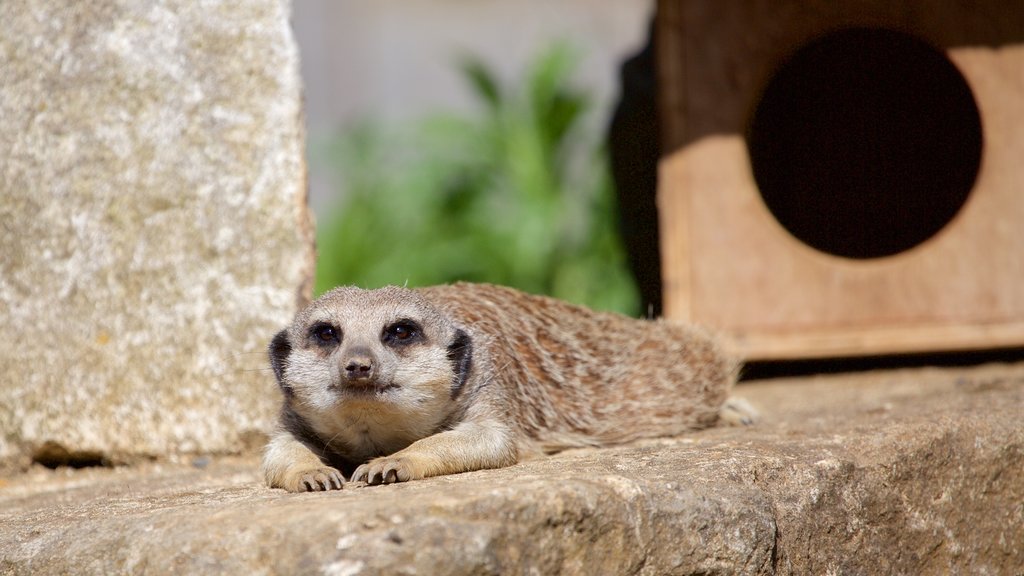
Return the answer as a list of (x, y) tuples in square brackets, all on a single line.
[(385, 350)]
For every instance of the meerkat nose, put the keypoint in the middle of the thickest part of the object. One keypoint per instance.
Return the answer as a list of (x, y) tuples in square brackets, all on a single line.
[(359, 367)]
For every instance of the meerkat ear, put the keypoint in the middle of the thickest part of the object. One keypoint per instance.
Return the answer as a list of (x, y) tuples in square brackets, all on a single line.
[(280, 348), (460, 354)]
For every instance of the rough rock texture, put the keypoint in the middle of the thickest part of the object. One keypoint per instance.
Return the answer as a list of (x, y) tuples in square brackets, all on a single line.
[(153, 222), (912, 472)]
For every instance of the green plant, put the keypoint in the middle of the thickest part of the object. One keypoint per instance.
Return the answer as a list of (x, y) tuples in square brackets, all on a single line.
[(516, 195)]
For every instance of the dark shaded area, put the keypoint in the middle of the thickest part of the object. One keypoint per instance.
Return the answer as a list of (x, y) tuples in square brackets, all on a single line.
[(634, 148), (793, 368), (54, 455), (866, 143), (755, 38)]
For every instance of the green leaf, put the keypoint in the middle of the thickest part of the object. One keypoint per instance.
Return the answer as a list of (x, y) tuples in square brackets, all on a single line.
[(481, 197), (480, 79)]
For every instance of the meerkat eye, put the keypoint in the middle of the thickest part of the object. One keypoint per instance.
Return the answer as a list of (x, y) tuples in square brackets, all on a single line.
[(324, 333), (403, 332)]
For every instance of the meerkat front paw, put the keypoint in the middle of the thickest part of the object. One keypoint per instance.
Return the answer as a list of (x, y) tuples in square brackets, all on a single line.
[(386, 470), (313, 480)]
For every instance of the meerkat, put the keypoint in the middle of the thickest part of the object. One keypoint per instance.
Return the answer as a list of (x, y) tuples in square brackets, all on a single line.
[(398, 384)]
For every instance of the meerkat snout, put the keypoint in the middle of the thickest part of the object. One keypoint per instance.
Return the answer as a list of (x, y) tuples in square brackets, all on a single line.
[(359, 364)]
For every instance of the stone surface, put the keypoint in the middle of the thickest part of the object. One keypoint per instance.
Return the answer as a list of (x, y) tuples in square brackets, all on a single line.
[(913, 472), (153, 223)]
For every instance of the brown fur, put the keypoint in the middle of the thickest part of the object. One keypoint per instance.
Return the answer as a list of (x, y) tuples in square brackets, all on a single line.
[(540, 375)]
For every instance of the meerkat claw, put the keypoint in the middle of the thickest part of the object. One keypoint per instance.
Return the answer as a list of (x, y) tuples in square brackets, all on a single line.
[(322, 479), (394, 471), (359, 475), (383, 471)]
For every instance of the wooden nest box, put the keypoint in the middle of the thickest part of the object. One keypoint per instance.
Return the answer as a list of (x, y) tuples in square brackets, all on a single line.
[(843, 178)]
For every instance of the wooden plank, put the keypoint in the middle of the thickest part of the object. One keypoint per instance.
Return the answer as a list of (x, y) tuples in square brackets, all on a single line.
[(837, 343)]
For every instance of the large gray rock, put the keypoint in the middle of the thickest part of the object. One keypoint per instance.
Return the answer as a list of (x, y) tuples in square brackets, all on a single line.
[(153, 224), (915, 472)]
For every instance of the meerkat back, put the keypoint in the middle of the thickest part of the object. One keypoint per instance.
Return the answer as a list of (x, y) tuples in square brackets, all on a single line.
[(576, 377)]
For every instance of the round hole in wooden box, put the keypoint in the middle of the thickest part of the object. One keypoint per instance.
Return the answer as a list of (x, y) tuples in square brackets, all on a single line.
[(865, 143)]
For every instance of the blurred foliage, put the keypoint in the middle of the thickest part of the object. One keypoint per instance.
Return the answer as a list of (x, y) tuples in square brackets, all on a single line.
[(514, 195)]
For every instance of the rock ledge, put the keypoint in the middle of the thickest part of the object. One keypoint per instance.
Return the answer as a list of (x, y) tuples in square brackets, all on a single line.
[(915, 471)]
